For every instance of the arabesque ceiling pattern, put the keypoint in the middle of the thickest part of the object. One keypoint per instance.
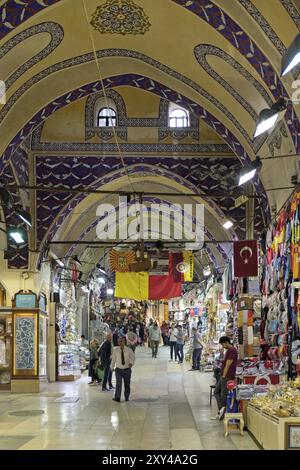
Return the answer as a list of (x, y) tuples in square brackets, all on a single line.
[(224, 45)]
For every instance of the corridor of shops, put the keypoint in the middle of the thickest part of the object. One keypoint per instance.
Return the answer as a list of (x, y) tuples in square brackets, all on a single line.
[(169, 409)]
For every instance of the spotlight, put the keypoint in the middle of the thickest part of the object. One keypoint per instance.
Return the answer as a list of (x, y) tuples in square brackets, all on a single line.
[(110, 291), (101, 269), (24, 216), (60, 263), (249, 172), (228, 224), (206, 271), (17, 235), (269, 116), (291, 58)]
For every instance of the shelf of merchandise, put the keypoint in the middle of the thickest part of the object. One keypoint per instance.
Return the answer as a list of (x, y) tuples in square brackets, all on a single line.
[(68, 362), (269, 431)]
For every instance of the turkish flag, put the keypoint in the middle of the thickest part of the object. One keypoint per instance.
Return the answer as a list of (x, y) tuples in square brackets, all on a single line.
[(245, 258)]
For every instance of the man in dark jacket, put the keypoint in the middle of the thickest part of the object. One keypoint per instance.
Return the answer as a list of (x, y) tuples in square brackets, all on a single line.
[(105, 359)]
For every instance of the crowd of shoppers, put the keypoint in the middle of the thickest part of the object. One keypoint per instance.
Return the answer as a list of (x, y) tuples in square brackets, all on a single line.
[(117, 353)]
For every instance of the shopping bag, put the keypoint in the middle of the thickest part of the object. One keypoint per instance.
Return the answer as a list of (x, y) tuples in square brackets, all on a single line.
[(100, 373)]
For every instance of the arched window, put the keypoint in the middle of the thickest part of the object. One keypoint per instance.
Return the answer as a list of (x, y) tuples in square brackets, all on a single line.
[(178, 117), (107, 117)]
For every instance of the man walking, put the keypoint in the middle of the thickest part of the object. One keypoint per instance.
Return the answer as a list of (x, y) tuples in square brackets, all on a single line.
[(197, 348), (105, 359), (228, 372), (155, 339), (122, 360), (180, 337)]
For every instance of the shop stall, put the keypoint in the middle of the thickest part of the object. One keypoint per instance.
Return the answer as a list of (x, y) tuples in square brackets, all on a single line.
[(67, 334), (23, 343), (274, 417)]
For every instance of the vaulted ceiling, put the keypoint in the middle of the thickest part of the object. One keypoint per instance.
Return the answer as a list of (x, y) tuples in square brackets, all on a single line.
[(220, 60)]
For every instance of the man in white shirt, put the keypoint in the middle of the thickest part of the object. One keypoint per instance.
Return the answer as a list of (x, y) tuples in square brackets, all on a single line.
[(122, 360)]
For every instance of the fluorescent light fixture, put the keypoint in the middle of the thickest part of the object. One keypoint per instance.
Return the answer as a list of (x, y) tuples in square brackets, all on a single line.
[(207, 271), (85, 288), (101, 280), (291, 57), (269, 116), (17, 236), (247, 176), (102, 271), (249, 172), (24, 216), (228, 224), (60, 263), (265, 122), (110, 291)]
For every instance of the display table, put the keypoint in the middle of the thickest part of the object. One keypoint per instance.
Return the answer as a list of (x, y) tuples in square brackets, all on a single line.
[(271, 432)]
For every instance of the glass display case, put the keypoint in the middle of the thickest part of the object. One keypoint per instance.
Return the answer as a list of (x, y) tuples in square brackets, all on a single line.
[(5, 350), (68, 361)]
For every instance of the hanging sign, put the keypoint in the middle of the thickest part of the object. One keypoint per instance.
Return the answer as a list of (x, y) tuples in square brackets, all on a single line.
[(119, 261)]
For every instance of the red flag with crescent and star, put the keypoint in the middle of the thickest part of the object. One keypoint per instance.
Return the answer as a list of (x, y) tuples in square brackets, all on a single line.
[(245, 258)]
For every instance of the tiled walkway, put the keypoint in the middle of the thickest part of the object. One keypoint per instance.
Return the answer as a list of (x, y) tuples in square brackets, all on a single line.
[(169, 409)]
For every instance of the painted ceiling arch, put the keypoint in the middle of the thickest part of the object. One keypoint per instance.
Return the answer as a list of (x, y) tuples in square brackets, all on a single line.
[(56, 34), (53, 209), (226, 26), (146, 84), (15, 12), (64, 65)]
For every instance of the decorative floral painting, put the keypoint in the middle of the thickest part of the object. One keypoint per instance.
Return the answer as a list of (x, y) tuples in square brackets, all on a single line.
[(25, 354), (120, 17)]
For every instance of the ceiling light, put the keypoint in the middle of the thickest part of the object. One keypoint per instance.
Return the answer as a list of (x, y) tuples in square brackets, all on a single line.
[(24, 216), (250, 171), (102, 270), (206, 271), (291, 57), (110, 291), (16, 235), (269, 116), (228, 224), (60, 263), (101, 280)]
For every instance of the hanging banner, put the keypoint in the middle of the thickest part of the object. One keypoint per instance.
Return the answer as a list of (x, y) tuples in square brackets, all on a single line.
[(119, 261), (183, 266), (132, 285), (142, 286), (245, 258)]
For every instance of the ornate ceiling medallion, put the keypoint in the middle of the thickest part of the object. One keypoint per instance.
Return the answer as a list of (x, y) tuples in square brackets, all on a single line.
[(120, 17)]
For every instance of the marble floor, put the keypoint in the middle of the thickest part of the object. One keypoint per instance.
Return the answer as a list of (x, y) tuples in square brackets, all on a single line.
[(169, 409)]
